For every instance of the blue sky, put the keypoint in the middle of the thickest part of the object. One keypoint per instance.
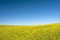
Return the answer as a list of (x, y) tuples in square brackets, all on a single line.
[(27, 12)]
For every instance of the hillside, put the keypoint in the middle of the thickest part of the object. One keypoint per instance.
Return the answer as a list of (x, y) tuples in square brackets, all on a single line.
[(37, 32)]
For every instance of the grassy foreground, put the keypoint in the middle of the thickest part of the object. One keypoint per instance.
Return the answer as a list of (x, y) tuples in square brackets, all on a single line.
[(43, 32)]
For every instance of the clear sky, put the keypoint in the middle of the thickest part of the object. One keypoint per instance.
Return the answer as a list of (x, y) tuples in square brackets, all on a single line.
[(29, 11)]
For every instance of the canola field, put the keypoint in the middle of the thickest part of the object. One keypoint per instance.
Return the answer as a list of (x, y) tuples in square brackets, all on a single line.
[(39, 32)]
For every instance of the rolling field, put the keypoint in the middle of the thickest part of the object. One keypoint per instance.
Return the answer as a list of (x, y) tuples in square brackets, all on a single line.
[(39, 32)]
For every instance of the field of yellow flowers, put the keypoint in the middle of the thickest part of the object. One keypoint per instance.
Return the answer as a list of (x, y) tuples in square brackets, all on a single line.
[(39, 32)]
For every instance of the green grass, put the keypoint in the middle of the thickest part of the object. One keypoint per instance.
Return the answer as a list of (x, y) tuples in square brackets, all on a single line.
[(39, 32)]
